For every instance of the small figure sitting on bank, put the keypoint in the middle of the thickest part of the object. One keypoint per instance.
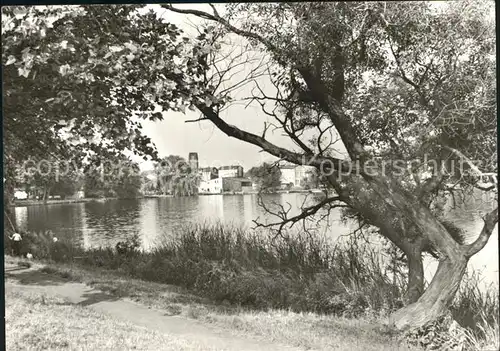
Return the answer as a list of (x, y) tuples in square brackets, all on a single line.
[(16, 245)]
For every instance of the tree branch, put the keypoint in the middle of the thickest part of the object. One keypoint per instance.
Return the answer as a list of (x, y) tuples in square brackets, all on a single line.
[(331, 106), (282, 153), (333, 109), (216, 18), (490, 220), (196, 120), (482, 188), (430, 184), (306, 212), (471, 164)]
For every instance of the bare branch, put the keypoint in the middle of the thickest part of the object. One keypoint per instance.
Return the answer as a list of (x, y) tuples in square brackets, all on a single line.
[(471, 164), (215, 17), (489, 188), (319, 92), (306, 213), (196, 120), (266, 127), (490, 221)]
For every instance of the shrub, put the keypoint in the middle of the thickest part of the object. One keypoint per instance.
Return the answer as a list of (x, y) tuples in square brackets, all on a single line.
[(441, 334), (478, 310), (129, 246)]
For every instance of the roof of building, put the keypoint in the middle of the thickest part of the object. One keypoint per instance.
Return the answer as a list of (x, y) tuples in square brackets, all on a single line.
[(292, 166), (208, 169), (230, 167), (238, 178)]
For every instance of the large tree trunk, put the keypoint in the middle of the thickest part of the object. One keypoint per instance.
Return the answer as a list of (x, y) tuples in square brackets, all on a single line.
[(390, 205), (44, 198), (8, 194), (436, 299), (415, 276), (9, 218), (46, 193)]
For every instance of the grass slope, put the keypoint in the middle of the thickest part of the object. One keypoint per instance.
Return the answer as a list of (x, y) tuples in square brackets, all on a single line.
[(41, 322), (308, 331)]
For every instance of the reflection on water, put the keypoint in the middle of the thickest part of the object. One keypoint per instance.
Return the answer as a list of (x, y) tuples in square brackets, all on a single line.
[(21, 214), (156, 219), (96, 224)]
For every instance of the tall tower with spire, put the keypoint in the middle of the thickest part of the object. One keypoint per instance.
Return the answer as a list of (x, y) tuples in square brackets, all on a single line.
[(193, 161)]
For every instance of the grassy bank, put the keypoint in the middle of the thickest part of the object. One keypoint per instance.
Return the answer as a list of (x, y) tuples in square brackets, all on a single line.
[(303, 330), (41, 322), (296, 274)]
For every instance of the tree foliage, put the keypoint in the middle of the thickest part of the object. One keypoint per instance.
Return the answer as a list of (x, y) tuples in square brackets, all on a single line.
[(78, 80), (48, 177), (266, 176), (118, 179), (175, 176), (74, 77)]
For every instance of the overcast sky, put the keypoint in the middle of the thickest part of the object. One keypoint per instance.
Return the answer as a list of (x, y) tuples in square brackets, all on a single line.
[(214, 148)]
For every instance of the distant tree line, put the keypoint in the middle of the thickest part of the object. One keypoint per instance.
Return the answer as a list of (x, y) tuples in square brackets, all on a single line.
[(171, 175), (41, 180)]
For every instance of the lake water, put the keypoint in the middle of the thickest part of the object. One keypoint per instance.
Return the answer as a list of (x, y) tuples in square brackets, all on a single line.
[(94, 224)]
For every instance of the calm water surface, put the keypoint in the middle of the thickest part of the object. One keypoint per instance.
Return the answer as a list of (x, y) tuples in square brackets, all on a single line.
[(96, 224), (156, 219)]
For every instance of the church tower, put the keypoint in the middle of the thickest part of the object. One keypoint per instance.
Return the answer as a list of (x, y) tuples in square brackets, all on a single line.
[(193, 161)]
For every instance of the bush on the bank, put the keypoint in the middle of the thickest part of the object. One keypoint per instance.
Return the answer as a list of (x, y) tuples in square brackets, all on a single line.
[(42, 246), (477, 310)]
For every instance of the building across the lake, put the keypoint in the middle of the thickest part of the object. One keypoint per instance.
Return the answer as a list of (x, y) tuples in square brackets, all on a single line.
[(231, 171), (287, 175), (193, 161), (293, 175), (225, 185), (208, 173), (212, 186), (20, 194), (225, 179), (230, 184)]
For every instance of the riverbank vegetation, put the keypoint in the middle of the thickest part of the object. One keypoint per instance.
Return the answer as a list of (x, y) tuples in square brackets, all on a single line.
[(295, 273)]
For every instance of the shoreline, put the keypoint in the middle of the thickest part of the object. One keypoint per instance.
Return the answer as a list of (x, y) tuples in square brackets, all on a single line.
[(293, 191), (25, 203)]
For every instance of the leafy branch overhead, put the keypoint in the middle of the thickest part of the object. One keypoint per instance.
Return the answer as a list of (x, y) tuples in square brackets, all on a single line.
[(83, 72)]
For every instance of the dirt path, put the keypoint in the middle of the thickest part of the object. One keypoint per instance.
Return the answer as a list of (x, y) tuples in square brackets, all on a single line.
[(20, 278)]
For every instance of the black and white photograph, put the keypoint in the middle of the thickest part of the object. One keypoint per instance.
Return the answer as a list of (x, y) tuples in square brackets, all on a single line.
[(250, 176)]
